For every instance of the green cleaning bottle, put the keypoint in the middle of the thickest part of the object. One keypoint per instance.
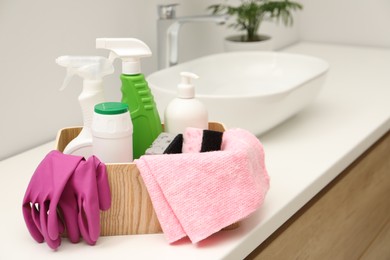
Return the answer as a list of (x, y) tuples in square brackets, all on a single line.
[(135, 90)]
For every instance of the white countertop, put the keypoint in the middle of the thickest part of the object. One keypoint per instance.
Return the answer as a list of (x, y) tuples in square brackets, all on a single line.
[(302, 155)]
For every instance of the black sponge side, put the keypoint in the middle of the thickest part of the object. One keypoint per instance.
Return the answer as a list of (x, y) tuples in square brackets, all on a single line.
[(175, 146), (211, 141)]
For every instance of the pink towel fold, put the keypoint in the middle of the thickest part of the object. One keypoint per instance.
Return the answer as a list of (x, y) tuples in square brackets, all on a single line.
[(198, 194)]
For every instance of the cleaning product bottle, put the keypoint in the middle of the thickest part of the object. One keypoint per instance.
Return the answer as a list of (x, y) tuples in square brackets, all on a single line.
[(92, 69), (135, 90), (185, 110), (112, 133)]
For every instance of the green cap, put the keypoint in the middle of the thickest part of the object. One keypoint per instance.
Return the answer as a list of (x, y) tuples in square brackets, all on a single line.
[(111, 108)]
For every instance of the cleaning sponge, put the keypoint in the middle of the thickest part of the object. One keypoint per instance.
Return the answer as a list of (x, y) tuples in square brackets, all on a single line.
[(199, 140), (166, 143)]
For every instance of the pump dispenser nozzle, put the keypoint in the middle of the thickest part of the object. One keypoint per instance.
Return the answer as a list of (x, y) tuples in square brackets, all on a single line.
[(185, 88), (92, 69), (185, 110)]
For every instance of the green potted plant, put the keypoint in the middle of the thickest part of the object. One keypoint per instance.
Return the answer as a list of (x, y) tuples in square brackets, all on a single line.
[(249, 15)]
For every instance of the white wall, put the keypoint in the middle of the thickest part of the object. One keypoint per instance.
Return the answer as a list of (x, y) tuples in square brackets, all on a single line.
[(33, 34), (359, 22)]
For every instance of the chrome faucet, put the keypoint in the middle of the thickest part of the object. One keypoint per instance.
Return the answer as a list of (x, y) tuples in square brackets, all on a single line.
[(168, 28)]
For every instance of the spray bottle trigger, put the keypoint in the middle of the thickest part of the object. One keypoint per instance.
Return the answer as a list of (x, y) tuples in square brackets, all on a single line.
[(69, 75), (112, 56)]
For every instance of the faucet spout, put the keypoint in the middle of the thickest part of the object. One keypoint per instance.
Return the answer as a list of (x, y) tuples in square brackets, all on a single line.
[(172, 44), (168, 29), (219, 19)]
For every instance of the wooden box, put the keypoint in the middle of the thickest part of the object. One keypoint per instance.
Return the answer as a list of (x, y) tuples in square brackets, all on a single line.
[(131, 209)]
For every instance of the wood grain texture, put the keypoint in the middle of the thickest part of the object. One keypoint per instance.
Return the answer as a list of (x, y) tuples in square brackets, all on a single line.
[(131, 209), (380, 247), (216, 127), (65, 135), (349, 219)]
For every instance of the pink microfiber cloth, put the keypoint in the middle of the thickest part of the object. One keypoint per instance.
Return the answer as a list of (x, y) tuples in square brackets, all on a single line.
[(198, 194)]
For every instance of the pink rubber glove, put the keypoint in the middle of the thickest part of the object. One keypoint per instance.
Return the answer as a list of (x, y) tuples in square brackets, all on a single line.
[(86, 193), (43, 194)]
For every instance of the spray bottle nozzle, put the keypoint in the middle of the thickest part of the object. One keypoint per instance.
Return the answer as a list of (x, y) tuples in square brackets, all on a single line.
[(130, 50), (87, 67)]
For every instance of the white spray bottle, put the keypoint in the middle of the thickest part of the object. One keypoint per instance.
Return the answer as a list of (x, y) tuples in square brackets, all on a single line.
[(92, 69)]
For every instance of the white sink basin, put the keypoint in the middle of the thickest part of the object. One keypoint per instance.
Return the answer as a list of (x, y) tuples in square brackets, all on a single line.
[(251, 90)]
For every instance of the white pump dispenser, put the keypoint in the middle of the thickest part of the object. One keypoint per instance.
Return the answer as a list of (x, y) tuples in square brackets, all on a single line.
[(92, 69), (185, 110)]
